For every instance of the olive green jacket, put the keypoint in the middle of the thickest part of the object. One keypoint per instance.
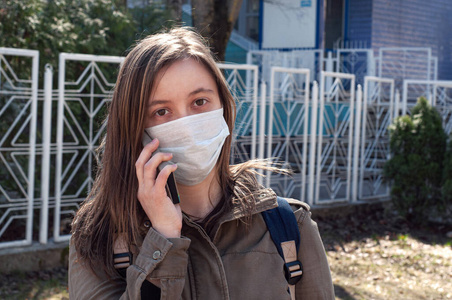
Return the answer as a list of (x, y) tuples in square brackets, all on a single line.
[(238, 261)]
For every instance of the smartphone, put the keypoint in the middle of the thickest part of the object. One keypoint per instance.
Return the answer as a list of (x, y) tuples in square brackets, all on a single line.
[(171, 188)]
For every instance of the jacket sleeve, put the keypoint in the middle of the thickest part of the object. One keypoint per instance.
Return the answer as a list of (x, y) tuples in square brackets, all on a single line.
[(316, 282), (161, 261)]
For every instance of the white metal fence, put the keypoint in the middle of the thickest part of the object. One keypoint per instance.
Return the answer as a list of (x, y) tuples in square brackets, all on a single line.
[(332, 135), (407, 63), (18, 112), (335, 138), (243, 84), (288, 128), (377, 115), (82, 103)]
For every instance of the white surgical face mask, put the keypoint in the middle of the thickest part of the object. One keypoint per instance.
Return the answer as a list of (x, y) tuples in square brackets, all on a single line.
[(195, 142)]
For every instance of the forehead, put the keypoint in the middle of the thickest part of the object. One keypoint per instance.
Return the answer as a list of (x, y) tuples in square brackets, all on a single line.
[(183, 75)]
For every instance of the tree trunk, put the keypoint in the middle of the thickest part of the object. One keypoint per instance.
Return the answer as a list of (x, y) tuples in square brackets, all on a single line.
[(175, 9), (215, 19), (123, 3)]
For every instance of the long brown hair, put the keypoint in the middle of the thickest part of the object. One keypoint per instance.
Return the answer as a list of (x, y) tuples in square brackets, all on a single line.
[(112, 206)]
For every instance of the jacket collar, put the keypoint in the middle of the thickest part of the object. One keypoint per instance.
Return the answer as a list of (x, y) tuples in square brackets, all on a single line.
[(265, 199)]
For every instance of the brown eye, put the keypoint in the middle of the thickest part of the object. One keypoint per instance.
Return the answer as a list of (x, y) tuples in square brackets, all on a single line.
[(161, 112), (200, 102)]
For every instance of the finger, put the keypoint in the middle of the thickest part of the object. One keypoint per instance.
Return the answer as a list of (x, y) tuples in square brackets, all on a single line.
[(150, 168), (143, 158), (162, 178)]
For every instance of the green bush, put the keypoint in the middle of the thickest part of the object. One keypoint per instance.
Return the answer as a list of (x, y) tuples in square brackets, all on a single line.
[(447, 179), (418, 146), (101, 27)]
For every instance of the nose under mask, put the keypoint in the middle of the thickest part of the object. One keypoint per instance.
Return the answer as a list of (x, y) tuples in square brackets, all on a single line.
[(195, 142)]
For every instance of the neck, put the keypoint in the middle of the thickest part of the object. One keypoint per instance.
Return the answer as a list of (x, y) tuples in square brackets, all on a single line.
[(199, 200)]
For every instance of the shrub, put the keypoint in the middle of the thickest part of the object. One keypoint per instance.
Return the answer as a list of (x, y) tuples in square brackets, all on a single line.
[(418, 145), (447, 179), (101, 27)]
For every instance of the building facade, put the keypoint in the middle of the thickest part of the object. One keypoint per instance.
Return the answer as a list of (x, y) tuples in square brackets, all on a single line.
[(358, 24)]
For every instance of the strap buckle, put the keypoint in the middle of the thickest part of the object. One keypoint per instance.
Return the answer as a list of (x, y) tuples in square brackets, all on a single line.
[(122, 260), (293, 271)]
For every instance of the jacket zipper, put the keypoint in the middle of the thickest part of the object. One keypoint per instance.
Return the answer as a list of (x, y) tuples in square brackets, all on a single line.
[(217, 255)]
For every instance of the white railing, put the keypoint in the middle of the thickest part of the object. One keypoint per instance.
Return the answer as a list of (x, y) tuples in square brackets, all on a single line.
[(359, 62), (341, 44), (334, 138), (18, 99), (80, 101), (288, 128), (377, 114), (396, 63), (437, 92), (243, 83), (297, 59), (407, 63)]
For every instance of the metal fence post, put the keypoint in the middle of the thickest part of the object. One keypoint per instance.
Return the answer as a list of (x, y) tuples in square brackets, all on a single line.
[(45, 165), (31, 161), (59, 143), (262, 123), (397, 104), (356, 166), (319, 138), (262, 120), (370, 63), (270, 122), (330, 68), (312, 156), (405, 98)]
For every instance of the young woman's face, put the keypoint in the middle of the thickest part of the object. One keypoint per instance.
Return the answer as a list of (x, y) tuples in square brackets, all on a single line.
[(184, 88)]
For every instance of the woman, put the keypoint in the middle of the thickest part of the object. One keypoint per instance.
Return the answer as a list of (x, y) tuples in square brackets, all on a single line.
[(215, 243)]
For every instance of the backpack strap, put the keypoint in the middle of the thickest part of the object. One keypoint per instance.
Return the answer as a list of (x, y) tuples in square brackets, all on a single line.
[(122, 259), (283, 228)]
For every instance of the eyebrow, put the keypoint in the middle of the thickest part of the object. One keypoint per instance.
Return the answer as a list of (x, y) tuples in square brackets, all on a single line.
[(157, 102), (200, 90), (197, 91)]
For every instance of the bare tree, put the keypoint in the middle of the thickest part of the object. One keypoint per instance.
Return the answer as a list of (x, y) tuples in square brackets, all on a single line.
[(175, 9), (215, 19)]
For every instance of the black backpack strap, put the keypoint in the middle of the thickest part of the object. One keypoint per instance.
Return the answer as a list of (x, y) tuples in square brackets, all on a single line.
[(122, 260), (283, 228)]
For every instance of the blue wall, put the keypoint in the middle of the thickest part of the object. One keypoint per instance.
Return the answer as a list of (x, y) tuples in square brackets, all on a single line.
[(405, 23), (359, 23)]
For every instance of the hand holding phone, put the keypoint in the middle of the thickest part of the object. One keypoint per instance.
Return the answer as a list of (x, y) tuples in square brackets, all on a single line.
[(165, 217), (171, 188)]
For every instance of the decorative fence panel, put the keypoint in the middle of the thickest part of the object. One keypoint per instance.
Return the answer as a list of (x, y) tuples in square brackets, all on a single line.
[(243, 84), (85, 86), (377, 115), (407, 63), (438, 93), (335, 138), (297, 59), (288, 119), (18, 115), (359, 62)]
